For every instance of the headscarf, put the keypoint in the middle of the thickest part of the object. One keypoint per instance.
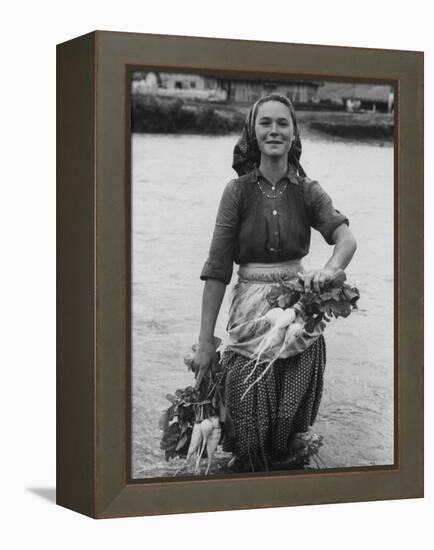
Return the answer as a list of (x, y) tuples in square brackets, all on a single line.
[(246, 151)]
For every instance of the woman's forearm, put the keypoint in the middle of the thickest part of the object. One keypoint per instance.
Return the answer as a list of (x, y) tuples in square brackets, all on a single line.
[(212, 298), (345, 247)]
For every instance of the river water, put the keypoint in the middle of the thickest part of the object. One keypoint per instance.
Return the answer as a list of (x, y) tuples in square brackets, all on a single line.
[(177, 181)]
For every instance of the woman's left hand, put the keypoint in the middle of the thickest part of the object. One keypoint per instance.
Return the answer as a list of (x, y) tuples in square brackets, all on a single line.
[(317, 278)]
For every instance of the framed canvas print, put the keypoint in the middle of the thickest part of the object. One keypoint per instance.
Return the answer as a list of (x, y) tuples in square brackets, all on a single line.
[(240, 274)]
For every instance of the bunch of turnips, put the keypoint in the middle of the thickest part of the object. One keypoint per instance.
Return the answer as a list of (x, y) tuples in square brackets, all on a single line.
[(293, 317), (336, 299), (192, 424)]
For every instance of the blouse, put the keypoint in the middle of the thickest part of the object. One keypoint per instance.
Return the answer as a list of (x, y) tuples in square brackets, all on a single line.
[(265, 223)]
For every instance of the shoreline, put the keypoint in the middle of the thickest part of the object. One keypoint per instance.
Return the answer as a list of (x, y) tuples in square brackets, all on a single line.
[(153, 115)]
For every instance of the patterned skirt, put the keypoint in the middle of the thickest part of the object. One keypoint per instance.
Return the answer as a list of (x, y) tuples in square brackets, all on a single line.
[(261, 422), (284, 402)]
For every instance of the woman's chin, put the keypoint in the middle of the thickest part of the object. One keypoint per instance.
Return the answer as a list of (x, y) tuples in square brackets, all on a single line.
[(274, 153)]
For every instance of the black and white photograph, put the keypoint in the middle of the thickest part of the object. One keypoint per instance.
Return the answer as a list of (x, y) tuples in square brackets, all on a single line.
[(262, 274), (147, 145)]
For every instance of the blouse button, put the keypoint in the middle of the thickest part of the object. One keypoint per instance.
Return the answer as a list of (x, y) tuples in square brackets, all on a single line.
[(274, 212), (273, 188)]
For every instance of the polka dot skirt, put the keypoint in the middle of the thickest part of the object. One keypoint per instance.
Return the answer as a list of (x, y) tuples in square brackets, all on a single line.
[(285, 401)]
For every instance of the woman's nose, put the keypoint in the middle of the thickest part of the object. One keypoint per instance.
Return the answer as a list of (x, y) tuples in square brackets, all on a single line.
[(273, 129)]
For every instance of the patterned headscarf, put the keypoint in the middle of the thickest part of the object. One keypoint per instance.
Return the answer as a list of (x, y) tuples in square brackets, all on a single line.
[(246, 152)]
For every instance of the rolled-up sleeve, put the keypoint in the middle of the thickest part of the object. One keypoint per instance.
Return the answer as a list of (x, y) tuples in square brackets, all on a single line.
[(219, 264), (324, 216)]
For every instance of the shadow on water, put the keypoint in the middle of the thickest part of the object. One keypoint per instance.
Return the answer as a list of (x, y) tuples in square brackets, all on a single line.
[(47, 493)]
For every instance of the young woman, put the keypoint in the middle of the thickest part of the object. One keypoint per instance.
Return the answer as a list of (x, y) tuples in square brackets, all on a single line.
[(264, 224)]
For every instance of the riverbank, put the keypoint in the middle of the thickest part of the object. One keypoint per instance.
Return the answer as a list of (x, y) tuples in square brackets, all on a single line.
[(151, 114), (364, 125)]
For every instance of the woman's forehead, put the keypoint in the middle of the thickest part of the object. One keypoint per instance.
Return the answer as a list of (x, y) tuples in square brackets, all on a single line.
[(273, 108)]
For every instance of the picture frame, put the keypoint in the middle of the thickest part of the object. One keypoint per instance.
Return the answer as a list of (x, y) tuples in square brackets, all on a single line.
[(94, 275)]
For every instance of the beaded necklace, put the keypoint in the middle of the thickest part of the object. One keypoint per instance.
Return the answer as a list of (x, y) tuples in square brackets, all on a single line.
[(271, 196)]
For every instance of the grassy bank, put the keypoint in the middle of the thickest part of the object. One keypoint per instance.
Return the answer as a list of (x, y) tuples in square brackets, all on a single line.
[(366, 125), (152, 114)]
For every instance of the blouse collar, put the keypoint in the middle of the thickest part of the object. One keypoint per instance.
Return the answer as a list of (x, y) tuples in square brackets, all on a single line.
[(290, 175)]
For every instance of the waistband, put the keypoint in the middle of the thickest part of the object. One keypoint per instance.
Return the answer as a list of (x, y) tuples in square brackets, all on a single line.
[(274, 272)]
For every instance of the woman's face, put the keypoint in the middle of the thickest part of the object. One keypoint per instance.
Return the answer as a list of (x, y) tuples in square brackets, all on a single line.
[(274, 129)]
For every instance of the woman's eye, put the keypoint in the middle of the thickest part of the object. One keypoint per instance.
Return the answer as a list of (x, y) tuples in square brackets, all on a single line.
[(283, 123)]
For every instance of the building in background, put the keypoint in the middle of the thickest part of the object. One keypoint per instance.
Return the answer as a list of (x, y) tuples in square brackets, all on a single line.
[(182, 85), (248, 91), (194, 86), (304, 94), (358, 97), (371, 98)]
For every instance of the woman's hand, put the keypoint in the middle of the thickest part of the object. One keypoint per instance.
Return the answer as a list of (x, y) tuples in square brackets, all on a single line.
[(345, 246), (203, 360), (317, 278)]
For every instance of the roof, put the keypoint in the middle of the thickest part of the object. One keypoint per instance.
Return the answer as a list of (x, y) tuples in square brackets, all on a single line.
[(308, 83)]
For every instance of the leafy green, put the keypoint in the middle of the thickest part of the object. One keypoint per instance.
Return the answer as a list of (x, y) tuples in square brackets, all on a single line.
[(338, 299), (189, 405)]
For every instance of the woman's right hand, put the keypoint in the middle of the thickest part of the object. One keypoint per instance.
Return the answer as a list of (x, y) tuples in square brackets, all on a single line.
[(203, 360)]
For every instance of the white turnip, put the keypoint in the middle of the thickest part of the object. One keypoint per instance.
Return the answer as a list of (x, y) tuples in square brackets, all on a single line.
[(206, 428), (195, 443), (213, 441)]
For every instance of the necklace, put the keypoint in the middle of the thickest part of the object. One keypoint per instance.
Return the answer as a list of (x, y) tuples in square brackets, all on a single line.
[(272, 196)]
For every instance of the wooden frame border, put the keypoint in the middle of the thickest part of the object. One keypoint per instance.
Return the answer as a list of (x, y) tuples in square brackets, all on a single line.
[(94, 270)]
